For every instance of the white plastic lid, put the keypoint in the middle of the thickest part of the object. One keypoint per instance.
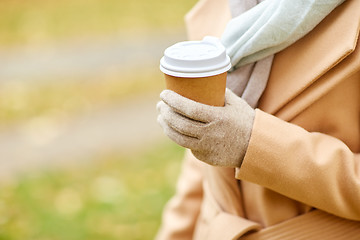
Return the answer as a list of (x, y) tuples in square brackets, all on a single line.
[(195, 58)]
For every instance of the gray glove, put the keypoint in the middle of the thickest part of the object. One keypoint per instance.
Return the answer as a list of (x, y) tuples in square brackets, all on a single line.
[(218, 136)]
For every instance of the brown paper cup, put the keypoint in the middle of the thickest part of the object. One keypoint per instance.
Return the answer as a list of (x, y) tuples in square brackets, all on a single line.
[(197, 70), (207, 90)]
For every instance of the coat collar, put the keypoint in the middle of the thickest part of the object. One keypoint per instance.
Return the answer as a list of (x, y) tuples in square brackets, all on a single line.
[(296, 69), (300, 66)]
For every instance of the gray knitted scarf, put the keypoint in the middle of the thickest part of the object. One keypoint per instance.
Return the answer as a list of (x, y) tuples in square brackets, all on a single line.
[(249, 81)]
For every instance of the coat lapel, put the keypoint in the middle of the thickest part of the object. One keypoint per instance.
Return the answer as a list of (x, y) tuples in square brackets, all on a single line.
[(300, 66)]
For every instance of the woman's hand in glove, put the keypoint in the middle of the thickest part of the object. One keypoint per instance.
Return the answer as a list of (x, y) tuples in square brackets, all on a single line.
[(216, 135)]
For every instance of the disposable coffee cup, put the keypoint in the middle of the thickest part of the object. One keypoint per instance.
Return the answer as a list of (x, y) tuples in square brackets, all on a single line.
[(197, 70)]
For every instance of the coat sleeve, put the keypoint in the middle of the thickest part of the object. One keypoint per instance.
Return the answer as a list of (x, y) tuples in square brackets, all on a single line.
[(181, 212), (313, 168)]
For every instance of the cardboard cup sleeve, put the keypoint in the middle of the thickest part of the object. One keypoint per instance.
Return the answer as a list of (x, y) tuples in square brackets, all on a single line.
[(208, 90)]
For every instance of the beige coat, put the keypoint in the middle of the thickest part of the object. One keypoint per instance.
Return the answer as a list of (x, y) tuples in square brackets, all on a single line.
[(305, 158)]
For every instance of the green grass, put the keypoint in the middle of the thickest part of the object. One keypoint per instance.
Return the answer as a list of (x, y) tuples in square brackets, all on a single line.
[(111, 197), (116, 196), (23, 21)]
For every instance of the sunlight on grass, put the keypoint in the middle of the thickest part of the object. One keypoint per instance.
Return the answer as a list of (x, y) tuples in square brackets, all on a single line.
[(112, 197), (24, 21), (20, 101)]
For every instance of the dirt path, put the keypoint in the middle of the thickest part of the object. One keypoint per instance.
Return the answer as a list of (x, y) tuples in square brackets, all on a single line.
[(83, 58), (125, 127)]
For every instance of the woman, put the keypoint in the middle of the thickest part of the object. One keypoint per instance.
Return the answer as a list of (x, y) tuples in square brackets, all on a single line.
[(294, 172)]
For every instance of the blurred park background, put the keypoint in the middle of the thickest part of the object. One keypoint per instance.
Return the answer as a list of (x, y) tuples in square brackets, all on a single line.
[(81, 154)]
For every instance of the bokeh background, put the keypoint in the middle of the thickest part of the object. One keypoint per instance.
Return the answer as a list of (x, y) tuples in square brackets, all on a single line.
[(81, 154)]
